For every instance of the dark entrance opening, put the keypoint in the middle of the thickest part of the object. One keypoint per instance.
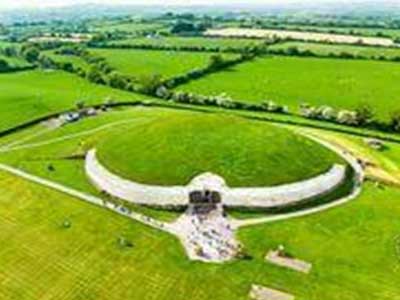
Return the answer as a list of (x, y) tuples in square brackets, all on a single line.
[(202, 202)]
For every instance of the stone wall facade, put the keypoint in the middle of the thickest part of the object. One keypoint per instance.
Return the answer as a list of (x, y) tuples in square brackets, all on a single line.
[(178, 196)]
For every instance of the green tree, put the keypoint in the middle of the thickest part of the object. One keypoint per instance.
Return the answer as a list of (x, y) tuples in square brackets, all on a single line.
[(31, 54), (4, 66), (94, 75), (364, 114), (395, 121), (116, 80)]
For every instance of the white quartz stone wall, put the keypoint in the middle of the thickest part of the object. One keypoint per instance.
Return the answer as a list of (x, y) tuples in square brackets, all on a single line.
[(262, 197)]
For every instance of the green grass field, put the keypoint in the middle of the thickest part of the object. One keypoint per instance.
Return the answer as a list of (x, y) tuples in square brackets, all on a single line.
[(292, 81), (168, 64), (393, 33), (352, 248), (132, 27), (205, 42), (324, 49), (76, 61), (28, 95)]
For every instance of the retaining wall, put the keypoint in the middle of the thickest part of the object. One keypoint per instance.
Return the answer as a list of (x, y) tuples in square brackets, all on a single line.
[(262, 197)]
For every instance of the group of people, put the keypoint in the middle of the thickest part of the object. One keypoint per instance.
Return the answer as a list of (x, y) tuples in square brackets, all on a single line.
[(211, 237)]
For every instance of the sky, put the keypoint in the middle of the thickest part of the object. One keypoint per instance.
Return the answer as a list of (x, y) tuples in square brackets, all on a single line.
[(16, 4)]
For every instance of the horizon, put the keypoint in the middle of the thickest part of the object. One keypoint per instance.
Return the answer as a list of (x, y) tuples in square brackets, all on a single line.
[(45, 4)]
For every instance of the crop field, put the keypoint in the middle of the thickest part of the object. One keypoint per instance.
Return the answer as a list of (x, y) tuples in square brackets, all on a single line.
[(324, 49), (168, 64), (293, 81), (299, 35), (28, 95), (222, 43)]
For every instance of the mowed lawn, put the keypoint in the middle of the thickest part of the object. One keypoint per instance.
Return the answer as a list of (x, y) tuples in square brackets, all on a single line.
[(168, 64), (354, 251), (292, 81), (203, 42), (325, 49), (28, 95)]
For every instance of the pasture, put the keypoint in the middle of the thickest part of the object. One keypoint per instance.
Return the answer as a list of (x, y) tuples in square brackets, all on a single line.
[(200, 42), (76, 61), (360, 31), (325, 49), (138, 63), (28, 95), (292, 81), (126, 27)]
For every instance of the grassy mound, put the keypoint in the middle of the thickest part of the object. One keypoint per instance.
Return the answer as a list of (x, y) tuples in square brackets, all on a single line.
[(176, 146)]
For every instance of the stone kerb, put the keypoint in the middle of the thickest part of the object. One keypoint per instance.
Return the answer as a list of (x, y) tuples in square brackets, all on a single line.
[(258, 197)]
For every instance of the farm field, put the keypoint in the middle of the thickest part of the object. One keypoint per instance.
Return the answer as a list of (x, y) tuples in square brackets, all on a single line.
[(33, 217), (28, 95), (168, 64), (372, 32), (299, 35), (76, 61), (128, 27), (203, 42), (292, 81), (323, 49)]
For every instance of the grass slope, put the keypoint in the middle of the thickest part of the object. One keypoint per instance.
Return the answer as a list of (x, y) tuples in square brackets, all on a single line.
[(176, 146), (144, 63), (189, 42), (325, 49), (28, 95), (292, 81)]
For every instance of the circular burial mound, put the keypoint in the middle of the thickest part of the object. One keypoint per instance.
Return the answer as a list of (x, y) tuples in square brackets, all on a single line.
[(177, 146)]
